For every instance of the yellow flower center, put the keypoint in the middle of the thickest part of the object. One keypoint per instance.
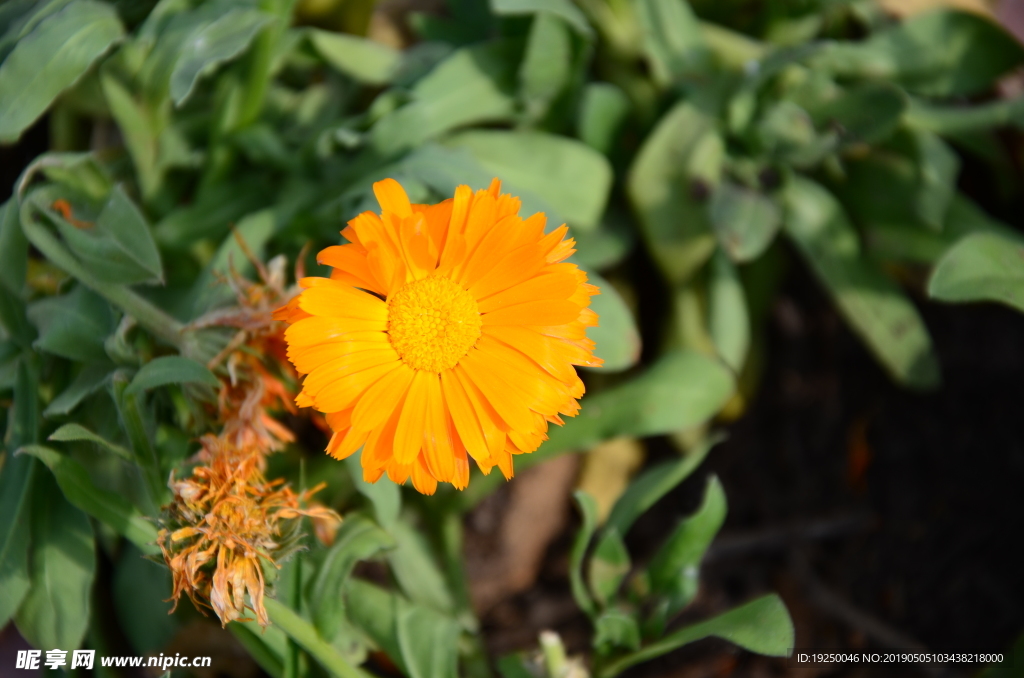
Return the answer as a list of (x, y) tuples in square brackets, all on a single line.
[(432, 323)]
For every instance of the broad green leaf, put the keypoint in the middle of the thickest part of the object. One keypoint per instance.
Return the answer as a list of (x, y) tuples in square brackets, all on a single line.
[(981, 267), (682, 389), (428, 641), (745, 221), (675, 569), (942, 53), (762, 626), (588, 511), (55, 612), (119, 248), (728, 315), (416, 570), (363, 59), (471, 86), (616, 628), (675, 170), (88, 381), (616, 336), (875, 308), (546, 67), (865, 113), (74, 325), (140, 601), (571, 178), (606, 245), (212, 45), (141, 125), (16, 483), (672, 40), (305, 635), (255, 643), (938, 167), (358, 539), (109, 508), (384, 495), (653, 484), (130, 410), (603, 109), (563, 9), (13, 270), (172, 369), (13, 250), (50, 59), (609, 564), (374, 611), (74, 431), (213, 212)]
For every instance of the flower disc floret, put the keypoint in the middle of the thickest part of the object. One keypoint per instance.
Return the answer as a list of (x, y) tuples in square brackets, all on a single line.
[(432, 323)]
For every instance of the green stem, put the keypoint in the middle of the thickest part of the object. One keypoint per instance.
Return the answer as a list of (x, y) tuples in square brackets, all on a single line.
[(158, 323), (303, 633)]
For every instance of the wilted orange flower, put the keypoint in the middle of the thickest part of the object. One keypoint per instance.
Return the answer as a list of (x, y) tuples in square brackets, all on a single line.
[(225, 521), (443, 330)]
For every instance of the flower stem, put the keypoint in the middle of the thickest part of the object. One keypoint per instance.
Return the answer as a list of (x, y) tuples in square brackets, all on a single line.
[(303, 633)]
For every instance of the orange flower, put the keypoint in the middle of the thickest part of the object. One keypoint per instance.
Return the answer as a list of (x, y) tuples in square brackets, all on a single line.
[(444, 331)]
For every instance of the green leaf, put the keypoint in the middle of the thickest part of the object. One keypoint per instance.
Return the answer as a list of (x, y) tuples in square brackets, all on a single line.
[(616, 628), (212, 45), (74, 325), (363, 59), (875, 308), (745, 221), (358, 539), (679, 162), (13, 271), (728, 315), (616, 336), (546, 67), (427, 640), (762, 626), (673, 39), (75, 431), (981, 267), (15, 505), (374, 611), (681, 390), (653, 484), (865, 113), (603, 109), (119, 248), (588, 511), (384, 495), (140, 589), (141, 126), (13, 250), (416, 570), (608, 566), (943, 53), (88, 381), (55, 612), (675, 569), (305, 635), (938, 167), (171, 369), (130, 411), (256, 644), (563, 9), (109, 508), (50, 59), (572, 179), (471, 86)]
